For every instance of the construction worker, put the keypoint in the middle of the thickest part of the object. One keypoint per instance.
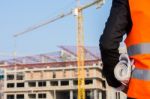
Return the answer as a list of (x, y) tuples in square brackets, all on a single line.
[(131, 17)]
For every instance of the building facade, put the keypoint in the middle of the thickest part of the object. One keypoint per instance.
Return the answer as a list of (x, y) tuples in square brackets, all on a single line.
[(57, 80)]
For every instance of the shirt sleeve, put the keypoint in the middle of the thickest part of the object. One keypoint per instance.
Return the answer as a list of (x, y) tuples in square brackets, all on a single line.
[(118, 23)]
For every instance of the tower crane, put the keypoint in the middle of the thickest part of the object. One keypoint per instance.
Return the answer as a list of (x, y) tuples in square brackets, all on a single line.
[(80, 39), (60, 16)]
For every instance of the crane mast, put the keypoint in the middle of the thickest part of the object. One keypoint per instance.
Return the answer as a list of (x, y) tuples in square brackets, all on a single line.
[(80, 55)]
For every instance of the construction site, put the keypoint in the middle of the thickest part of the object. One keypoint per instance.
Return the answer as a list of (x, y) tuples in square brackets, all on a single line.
[(73, 72), (54, 76)]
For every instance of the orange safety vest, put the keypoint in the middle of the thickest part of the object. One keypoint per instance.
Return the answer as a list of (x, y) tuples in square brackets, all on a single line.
[(138, 46)]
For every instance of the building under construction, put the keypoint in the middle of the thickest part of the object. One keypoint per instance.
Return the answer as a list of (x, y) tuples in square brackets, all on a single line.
[(54, 76)]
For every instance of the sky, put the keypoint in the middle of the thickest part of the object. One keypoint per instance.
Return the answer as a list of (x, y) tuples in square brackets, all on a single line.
[(17, 15)]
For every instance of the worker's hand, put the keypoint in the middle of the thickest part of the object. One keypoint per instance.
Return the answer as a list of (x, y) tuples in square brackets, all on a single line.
[(123, 88)]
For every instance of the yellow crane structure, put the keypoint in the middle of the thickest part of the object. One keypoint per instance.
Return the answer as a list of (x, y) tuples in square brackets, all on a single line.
[(80, 55), (80, 39)]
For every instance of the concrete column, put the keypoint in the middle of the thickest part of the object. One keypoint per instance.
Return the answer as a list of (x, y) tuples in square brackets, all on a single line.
[(94, 83), (95, 94), (5, 96), (71, 94), (100, 95), (15, 95), (59, 83), (123, 96), (15, 85), (5, 79), (36, 95), (71, 83), (110, 93), (26, 84), (26, 96), (48, 83), (55, 94), (36, 83)]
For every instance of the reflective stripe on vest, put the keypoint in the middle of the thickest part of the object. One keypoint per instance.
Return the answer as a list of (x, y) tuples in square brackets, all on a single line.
[(143, 48), (141, 74)]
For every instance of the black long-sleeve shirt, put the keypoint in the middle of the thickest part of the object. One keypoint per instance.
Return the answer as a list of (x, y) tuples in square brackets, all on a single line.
[(118, 24)]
